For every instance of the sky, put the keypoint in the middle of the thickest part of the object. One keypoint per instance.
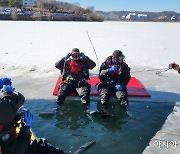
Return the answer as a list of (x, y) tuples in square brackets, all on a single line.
[(130, 5)]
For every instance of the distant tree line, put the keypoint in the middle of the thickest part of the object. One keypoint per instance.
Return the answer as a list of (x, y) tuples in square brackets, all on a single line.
[(62, 7), (54, 6), (10, 3)]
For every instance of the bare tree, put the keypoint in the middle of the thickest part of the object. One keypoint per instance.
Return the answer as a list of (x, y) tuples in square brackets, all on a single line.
[(90, 9), (14, 16)]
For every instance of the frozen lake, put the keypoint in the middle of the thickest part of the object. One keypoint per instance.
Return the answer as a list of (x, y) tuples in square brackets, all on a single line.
[(40, 44), (29, 51)]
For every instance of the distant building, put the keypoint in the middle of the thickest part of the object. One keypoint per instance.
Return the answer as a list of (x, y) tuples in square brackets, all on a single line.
[(29, 2), (131, 16), (135, 16), (173, 18), (142, 16)]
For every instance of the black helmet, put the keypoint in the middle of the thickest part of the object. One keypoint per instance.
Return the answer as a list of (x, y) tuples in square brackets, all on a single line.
[(75, 50), (117, 56), (9, 105), (75, 53)]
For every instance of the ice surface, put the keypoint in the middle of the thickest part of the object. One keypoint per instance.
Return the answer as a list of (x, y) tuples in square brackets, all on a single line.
[(32, 48), (29, 50), (38, 45)]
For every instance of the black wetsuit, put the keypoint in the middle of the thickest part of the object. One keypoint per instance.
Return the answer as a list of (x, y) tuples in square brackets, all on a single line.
[(75, 80), (10, 141), (110, 80)]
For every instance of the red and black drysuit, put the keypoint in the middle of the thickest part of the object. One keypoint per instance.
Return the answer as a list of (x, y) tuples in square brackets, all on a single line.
[(75, 75), (110, 80)]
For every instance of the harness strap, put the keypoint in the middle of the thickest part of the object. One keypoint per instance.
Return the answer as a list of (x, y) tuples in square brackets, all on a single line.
[(75, 71)]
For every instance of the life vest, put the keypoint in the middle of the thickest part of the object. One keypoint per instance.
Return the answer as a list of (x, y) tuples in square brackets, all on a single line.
[(18, 128), (116, 72), (11, 131), (120, 67), (75, 67), (75, 70), (115, 76)]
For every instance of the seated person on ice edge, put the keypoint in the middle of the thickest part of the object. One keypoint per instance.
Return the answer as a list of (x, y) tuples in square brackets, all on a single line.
[(11, 113), (114, 75), (75, 73)]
